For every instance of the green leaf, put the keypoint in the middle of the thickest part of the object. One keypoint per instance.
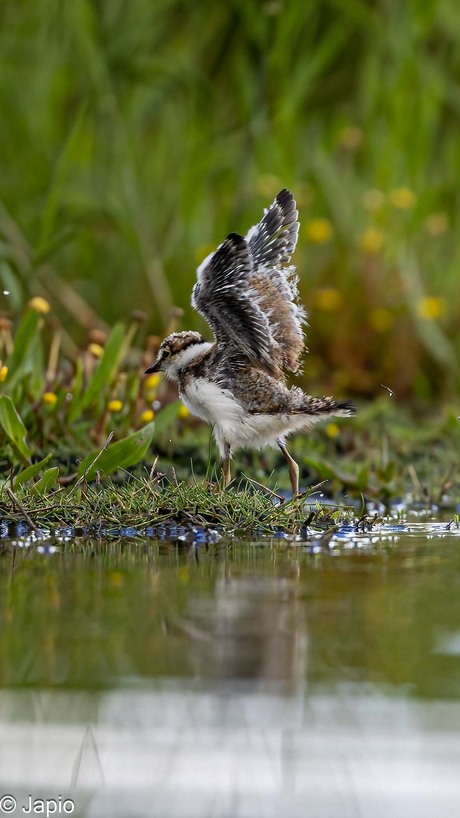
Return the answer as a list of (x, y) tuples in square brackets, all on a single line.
[(363, 478), (10, 279), (58, 240), (62, 169), (77, 384), (122, 454), (25, 340), (102, 375), (30, 472), (47, 481), (331, 472), (37, 370), (167, 416), (323, 468), (14, 427), (388, 472)]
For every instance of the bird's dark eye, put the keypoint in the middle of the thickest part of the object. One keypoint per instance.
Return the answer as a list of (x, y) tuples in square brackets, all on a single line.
[(166, 354)]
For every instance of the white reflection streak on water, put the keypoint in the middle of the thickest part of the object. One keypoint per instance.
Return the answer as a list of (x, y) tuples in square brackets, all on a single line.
[(173, 752)]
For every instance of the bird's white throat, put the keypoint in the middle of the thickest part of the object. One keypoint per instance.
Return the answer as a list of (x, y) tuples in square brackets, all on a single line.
[(173, 366)]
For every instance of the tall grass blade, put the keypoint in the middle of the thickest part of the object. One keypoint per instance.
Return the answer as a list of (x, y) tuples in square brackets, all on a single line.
[(30, 472), (24, 343), (103, 375), (122, 454), (47, 481), (14, 428)]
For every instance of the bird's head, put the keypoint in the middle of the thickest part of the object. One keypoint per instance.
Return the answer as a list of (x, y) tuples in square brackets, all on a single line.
[(176, 352)]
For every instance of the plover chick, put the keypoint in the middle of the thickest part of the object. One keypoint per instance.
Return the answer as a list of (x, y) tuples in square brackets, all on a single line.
[(247, 292)]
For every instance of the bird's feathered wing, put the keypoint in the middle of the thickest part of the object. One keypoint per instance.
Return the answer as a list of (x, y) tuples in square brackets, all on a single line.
[(271, 245), (247, 291), (222, 295)]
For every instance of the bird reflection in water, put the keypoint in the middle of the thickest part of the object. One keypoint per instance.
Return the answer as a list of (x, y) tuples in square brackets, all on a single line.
[(251, 630)]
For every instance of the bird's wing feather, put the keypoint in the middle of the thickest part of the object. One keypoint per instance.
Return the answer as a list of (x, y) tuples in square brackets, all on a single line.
[(224, 297), (273, 240), (271, 244)]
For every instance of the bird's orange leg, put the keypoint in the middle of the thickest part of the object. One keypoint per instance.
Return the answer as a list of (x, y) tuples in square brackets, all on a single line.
[(292, 467), (226, 466)]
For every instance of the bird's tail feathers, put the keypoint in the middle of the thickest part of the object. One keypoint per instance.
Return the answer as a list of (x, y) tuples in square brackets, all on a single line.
[(344, 408), (328, 406)]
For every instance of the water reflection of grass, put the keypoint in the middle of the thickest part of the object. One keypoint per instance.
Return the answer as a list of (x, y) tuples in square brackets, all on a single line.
[(98, 614)]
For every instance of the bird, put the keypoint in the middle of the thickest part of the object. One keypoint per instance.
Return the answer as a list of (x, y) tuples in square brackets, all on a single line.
[(247, 291)]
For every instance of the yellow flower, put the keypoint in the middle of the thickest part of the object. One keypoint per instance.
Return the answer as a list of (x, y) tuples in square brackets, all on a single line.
[(115, 405), (319, 231), (39, 304), (49, 398), (332, 430), (183, 412), (147, 416), (3, 373), (380, 319), (372, 240), (436, 224), (402, 198), (96, 350), (373, 199), (430, 307), (328, 299), (152, 381)]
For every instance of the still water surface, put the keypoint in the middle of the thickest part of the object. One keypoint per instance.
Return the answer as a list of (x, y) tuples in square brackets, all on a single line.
[(234, 680)]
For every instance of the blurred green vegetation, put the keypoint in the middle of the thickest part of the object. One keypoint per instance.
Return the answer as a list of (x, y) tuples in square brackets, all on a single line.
[(70, 408), (136, 135)]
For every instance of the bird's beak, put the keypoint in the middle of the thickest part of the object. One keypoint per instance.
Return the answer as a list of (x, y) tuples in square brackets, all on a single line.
[(154, 368)]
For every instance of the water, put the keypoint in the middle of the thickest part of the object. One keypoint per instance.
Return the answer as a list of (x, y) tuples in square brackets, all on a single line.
[(232, 680)]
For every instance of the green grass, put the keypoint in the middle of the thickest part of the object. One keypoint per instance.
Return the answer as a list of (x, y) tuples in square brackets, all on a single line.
[(140, 502), (383, 458)]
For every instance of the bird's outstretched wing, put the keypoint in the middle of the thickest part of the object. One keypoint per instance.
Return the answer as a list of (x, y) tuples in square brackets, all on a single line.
[(247, 291), (273, 241), (271, 245), (224, 298)]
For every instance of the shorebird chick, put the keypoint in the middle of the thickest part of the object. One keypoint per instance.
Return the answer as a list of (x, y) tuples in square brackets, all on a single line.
[(247, 292)]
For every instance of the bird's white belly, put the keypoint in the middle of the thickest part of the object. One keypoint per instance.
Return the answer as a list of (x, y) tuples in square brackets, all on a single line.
[(232, 424), (210, 402)]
